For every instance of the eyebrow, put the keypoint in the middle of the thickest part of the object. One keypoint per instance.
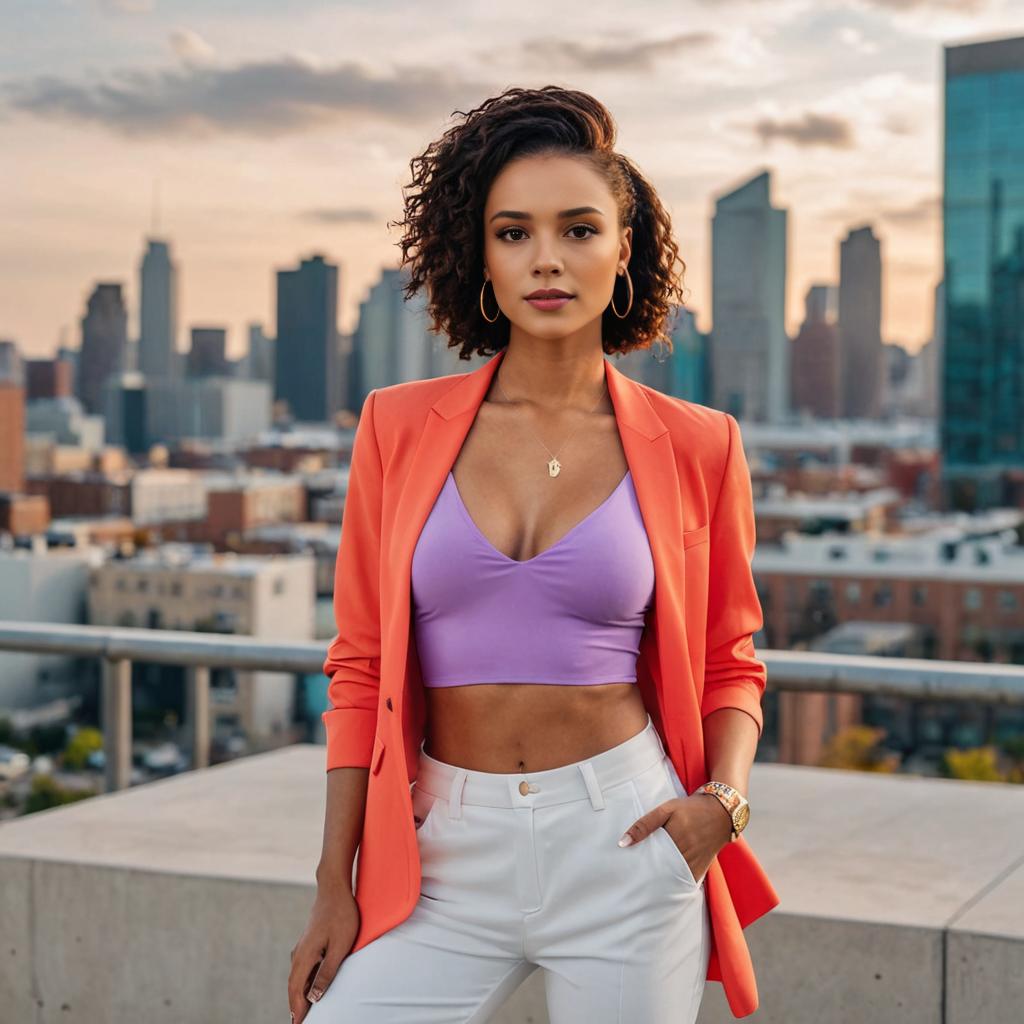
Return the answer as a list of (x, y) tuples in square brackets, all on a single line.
[(576, 211)]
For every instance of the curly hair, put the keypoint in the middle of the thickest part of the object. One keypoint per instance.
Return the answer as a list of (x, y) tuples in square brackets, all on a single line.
[(442, 245)]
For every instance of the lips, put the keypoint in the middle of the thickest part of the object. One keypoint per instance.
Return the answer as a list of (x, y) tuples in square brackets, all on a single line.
[(549, 293)]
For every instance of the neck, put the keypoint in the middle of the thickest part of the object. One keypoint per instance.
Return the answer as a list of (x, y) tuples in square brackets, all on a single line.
[(549, 377)]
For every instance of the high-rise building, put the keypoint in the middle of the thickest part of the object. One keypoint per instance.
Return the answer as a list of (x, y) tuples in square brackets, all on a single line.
[(307, 338), (982, 363), (815, 355), (260, 358), (749, 345), (861, 364), (158, 312), (12, 418), (208, 355), (47, 378), (391, 337), (104, 337)]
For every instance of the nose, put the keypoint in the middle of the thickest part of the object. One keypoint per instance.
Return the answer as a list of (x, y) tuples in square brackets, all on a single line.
[(544, 267)]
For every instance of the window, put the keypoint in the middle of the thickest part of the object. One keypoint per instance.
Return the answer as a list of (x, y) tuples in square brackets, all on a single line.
[(972, 598), (853, 593)]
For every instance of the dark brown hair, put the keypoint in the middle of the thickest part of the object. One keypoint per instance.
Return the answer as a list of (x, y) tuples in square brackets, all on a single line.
[(444, 204)]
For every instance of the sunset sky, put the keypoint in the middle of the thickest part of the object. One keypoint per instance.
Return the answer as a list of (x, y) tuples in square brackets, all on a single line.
[(272, 129)]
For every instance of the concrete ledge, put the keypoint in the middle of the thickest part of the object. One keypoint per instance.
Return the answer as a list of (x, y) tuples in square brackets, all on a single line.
[(179, 901)]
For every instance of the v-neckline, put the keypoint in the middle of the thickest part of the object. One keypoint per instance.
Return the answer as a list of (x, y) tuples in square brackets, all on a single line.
[(561, 540)]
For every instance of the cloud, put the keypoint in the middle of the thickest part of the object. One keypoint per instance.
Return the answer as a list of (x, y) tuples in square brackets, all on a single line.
[(954, 6), (191, 47), (340, 215), (808, 130), (922, 211), (266, 99), (856, 40), (128, 6), (638, 55)]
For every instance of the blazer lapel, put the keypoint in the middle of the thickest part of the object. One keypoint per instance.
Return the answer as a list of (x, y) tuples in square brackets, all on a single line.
[(647, 445)]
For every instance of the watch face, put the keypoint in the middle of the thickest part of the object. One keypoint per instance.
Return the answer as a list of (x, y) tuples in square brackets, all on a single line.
[(742, 817)]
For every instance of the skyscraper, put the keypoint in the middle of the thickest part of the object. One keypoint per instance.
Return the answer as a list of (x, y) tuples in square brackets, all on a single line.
[(982, 363), (104, 339), (815, 355), (158, 312), (307, 338), (749, 346), (861, 366)]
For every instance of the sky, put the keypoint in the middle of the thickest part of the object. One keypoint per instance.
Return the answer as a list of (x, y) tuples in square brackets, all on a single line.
[(254, 133)]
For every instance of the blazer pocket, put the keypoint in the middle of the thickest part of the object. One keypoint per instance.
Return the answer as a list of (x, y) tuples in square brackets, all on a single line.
[(377, 755), (697, 536)]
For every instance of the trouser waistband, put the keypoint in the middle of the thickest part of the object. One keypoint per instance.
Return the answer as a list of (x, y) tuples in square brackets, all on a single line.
[(587, 778)]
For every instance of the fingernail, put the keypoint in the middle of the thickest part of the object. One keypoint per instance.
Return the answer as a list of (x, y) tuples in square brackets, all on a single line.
[(314, 994), (626, 840)]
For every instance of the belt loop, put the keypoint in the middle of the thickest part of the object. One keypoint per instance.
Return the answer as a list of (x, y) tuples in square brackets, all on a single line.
[(455, 793), (593, 788)]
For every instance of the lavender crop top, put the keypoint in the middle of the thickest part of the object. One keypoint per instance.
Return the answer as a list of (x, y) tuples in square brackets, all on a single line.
[(573, 614)]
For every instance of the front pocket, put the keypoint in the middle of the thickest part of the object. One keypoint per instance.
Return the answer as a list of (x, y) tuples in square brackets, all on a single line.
[(423, 805), (680, 865), (650, 788)]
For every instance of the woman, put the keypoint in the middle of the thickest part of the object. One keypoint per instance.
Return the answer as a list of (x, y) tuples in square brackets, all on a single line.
[(524, 708)]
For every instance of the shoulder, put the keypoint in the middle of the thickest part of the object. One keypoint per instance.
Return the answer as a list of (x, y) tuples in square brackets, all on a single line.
[(402, 409), (700, 435), (409, 396)]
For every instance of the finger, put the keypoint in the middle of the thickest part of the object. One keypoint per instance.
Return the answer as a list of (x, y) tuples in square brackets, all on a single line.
[(645, 825), (304, 965), (324, 976)]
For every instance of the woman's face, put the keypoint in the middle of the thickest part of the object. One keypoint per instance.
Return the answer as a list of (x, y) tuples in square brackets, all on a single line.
[(552, 223)]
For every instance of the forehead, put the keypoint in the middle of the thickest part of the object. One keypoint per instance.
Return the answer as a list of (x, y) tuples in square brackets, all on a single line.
[(543, 185)]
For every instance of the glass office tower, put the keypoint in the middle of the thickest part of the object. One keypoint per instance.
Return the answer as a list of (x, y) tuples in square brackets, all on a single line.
[(982, 393)]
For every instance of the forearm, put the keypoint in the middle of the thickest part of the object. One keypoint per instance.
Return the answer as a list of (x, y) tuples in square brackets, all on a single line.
[(730, 742), (343, 825)]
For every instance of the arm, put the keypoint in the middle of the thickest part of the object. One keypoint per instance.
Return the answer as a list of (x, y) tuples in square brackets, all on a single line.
[(353, 656), (353, 666), (734, 677)]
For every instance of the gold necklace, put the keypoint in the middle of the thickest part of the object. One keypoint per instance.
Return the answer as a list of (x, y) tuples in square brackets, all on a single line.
[(554, 466)]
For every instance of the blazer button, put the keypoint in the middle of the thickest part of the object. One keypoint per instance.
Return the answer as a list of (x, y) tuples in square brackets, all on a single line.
[(388, 702)]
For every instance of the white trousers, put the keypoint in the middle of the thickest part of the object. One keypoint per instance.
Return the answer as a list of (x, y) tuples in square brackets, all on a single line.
[(522, 871)]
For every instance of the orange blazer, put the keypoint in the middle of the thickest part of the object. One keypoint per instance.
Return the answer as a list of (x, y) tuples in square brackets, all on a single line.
[(696, 653)]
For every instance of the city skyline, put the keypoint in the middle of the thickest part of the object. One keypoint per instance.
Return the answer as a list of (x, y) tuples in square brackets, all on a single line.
[(268, 145)]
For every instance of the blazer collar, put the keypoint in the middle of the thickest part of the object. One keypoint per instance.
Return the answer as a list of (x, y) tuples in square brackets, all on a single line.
[(632, 409)]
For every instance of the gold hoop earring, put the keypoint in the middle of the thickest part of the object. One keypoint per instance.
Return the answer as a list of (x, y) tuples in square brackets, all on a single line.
[(629, 284), (482, 313)]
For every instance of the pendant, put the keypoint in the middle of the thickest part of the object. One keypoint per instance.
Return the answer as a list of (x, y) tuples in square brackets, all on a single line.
[(554, 467)]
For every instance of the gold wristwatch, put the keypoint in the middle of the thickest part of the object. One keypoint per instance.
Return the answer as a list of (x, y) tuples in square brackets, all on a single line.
[(733, 802)]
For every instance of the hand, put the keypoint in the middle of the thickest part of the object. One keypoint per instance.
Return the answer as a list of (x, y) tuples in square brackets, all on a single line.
[(327, 940), (698, 824)]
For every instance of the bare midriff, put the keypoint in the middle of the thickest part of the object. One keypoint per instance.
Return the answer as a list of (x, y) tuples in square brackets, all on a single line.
[(523, 727)]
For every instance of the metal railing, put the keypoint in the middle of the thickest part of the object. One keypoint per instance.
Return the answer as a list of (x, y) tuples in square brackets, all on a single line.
[(801, 671)]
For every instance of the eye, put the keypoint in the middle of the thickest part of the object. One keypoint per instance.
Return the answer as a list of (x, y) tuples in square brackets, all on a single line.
[(575, 227)]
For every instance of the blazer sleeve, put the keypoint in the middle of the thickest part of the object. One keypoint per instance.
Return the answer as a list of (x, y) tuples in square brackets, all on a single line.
[(734, 677), (353, 656)]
